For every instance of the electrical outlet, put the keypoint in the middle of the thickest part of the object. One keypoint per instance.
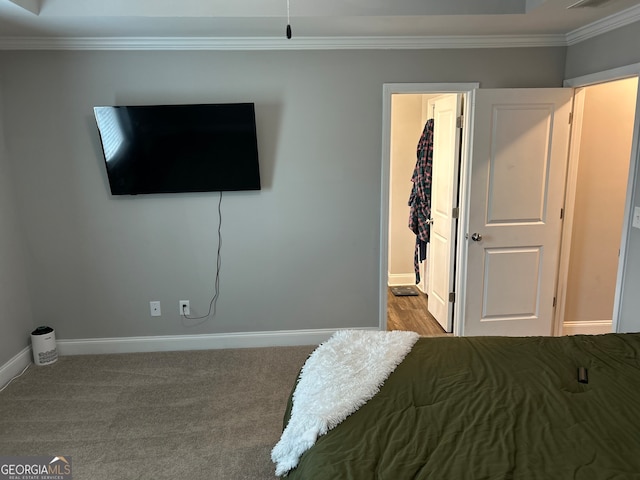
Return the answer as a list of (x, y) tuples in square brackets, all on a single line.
[(184, 307), (155, 308)]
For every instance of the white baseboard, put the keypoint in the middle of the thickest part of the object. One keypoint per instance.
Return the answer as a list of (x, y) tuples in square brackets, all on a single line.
[(14, 366), (89, 346), (397, 279), (596, 327)]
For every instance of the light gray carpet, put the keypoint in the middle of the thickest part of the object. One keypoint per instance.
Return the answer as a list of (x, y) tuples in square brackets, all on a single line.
[(211, 414)]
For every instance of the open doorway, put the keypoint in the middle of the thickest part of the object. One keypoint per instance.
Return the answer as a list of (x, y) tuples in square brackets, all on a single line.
[(407, 307), (598, 176), (424, 161)]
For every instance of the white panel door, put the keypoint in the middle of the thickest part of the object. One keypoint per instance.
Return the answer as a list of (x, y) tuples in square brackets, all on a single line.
[(444, 197), (518, 167)]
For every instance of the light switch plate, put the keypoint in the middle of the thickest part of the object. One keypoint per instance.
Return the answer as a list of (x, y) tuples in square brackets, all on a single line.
[(636, 217)]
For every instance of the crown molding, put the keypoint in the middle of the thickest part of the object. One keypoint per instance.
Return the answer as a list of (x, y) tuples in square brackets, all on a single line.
[(273, 43), (594, 29), (612, 22)]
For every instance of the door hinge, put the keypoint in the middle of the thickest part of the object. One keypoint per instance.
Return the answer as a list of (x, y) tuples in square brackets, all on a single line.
[(452, 297), (570, 118), (554, 302), (561, 213), (459, 121), (455, 212)]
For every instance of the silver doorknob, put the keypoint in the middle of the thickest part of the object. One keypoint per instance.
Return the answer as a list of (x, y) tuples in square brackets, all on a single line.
[(476, 237)]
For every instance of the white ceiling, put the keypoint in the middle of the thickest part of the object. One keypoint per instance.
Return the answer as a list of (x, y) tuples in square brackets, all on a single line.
[(391, 22)]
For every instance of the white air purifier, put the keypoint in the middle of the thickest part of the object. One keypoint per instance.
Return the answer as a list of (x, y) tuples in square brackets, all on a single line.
[(43, 344)]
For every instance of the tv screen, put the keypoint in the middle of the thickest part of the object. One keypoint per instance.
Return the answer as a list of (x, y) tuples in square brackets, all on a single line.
[(179, 148)]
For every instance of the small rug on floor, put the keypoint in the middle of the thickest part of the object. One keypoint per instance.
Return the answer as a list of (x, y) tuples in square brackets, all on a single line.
[(405, 291)]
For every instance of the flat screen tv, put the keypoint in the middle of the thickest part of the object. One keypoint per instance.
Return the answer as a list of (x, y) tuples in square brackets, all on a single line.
[(179, 148)]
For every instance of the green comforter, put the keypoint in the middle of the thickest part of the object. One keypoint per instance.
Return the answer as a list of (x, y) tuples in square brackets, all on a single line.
[(494, 408)]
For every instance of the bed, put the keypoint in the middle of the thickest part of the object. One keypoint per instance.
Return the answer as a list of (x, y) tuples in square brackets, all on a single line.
[(493, 408)]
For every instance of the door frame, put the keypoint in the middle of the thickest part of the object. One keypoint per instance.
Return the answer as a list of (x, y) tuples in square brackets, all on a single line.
[(389, 89), (605, 76)]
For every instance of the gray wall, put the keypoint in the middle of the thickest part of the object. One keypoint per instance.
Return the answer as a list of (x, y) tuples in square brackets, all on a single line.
[(15, 313), (604, 52), (301, 254), (611, 50)]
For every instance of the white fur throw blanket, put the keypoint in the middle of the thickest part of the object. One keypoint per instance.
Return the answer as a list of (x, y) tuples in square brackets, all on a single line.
[(340, 376)]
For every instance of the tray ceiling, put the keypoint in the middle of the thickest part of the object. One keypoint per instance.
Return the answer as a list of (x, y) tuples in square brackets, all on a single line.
[(347, 20)]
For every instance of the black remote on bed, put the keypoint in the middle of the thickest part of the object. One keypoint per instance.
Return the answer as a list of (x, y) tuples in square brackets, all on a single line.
[(582, 375)]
